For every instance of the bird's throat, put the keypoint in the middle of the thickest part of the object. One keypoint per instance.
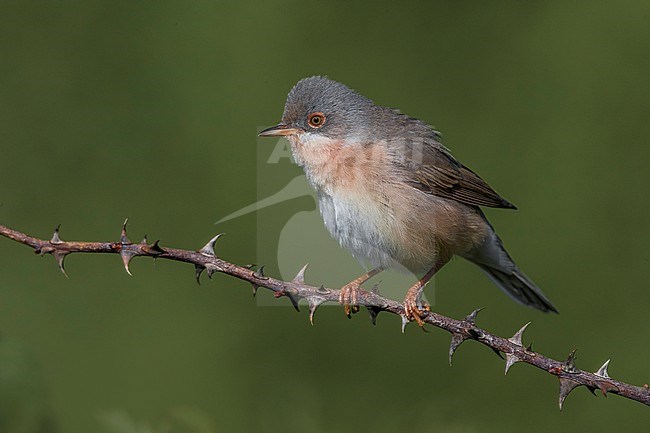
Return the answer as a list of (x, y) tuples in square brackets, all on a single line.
[(335, 165)]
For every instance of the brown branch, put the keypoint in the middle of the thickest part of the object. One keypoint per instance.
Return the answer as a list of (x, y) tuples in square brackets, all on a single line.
[(205, 259)]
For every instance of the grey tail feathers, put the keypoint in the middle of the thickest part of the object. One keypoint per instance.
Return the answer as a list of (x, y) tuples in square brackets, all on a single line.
[(519, 287), (495, 261)]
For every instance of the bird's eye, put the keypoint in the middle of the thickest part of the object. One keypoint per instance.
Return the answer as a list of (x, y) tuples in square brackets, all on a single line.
[(316, 120)]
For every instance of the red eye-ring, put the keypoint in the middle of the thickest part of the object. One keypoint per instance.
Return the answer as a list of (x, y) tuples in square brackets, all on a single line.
[(316, 120)]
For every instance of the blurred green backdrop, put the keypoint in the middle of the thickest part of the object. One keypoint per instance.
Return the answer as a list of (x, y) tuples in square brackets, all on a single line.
[(149, 110)]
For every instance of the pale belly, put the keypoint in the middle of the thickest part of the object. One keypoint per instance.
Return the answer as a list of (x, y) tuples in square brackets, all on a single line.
[(383, 222), (360, 227), (402, 235)]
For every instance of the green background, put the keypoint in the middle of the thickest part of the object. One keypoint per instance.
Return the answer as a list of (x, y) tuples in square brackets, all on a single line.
[(149, 110)]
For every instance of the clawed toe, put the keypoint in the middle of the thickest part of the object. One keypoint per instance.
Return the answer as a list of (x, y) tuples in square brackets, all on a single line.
[(415, 310), (352, 292), (414, 306), (349, 298)]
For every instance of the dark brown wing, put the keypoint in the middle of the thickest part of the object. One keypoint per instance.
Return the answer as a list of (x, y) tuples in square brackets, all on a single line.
[(439, 173)]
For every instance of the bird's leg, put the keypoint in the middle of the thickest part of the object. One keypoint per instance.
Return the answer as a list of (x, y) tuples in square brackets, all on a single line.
[(413, 306), (350, 292)]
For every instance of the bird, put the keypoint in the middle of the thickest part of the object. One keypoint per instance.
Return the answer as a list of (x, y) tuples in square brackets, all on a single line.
[(393, 195)]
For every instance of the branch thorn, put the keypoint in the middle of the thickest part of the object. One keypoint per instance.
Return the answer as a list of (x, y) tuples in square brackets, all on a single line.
[(156, 248), (260, 273), (405, 321), (60, 257), (314, 303), (300, 276), (511, 359), (294, 300), (198, 270), (124, 240), (456, 340), (566, 386), (516, 339), (602, 371), (208, 249), (127, 256), (373, 311), (323, 290), (55, 237), (211, 269), (471, 318)]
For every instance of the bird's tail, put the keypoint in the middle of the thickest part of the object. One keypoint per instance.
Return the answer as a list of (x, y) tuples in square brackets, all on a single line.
[(495, 261), (520, 288)]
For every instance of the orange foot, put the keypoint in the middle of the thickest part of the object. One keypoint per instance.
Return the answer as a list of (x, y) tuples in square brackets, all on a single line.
[(414, 308), (349, 297), (351, 292)]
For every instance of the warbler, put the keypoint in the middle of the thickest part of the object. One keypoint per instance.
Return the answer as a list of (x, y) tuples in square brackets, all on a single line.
[(392, 194)]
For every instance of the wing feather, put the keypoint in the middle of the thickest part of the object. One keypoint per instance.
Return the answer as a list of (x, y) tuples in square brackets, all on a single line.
[(440, 174)]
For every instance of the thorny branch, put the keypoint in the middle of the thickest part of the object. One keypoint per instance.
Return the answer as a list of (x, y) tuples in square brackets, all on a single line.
[(206, 260)]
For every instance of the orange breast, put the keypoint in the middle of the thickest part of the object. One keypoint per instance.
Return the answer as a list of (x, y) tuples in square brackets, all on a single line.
[(375, 215)]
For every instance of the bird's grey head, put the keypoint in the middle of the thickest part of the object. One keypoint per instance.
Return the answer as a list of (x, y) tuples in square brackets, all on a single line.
[(318, 105)]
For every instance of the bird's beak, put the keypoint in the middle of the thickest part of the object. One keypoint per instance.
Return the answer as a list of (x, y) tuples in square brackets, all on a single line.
[(278, 130)]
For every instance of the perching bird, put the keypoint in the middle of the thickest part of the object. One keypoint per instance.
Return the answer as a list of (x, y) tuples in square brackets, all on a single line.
[(392, 194)]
